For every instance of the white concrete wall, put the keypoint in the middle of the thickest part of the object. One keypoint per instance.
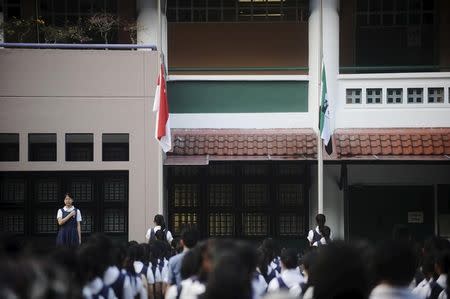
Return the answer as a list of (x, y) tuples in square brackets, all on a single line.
[(369, 174), (68, 91), (393, 115)]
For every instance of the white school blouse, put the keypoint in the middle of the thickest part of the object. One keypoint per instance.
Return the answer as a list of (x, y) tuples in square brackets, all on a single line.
[(59, 214)]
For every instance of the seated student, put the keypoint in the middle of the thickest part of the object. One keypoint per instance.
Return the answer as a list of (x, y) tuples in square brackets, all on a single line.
[(305, 265), (315, 235), (289, 276), (394, 266)]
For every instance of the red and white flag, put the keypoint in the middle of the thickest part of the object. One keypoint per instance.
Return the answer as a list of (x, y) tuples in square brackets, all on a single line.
[(161, 107)]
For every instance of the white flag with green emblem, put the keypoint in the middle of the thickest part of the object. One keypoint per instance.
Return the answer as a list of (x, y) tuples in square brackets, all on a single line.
[(325, 115)]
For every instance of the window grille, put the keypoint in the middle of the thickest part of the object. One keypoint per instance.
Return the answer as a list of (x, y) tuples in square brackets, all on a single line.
[(255, 195), (415, 95), (12, 190), (220, 195), (46, 221), (255, 224), (115, 189), (395, 12), (290, 195), (47, 190), (374, 95), (114, 221), (180, 219), (81, 189), (394, 95), (354, 96), (436, 95), (87, 221), (291, 224), (237, 11), (185, 195), (12, 222), (221, 224)]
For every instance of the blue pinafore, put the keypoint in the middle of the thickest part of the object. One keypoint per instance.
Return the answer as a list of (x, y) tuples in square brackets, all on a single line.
[(68, 233)]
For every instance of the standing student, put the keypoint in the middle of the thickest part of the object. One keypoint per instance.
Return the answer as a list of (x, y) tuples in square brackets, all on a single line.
[(160, 224), (69, 219), (315, 235)]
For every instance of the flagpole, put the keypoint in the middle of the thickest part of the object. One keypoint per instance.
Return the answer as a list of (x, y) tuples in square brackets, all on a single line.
[(160, 153), (319, 141)]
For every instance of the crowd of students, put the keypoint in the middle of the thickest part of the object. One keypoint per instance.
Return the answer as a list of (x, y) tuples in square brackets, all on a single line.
[(224, 269)]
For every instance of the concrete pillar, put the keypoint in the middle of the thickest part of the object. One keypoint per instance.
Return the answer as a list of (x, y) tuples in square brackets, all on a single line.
[(147, 21)]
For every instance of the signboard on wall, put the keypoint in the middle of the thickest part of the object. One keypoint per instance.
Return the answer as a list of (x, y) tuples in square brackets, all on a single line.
[(415, 217)]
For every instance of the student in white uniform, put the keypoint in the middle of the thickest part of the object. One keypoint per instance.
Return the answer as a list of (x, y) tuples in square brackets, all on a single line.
[(326, 231), (289, 276), (315, 235), (423, 288), (160, 224)]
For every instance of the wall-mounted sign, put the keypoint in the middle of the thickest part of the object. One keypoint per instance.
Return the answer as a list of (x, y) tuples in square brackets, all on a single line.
[(415, 217)]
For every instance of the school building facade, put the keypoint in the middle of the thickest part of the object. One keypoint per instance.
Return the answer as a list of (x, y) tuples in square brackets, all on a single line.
[(243, 86)]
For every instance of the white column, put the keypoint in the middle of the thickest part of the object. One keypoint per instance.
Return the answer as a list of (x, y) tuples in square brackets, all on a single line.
[(147, 21)]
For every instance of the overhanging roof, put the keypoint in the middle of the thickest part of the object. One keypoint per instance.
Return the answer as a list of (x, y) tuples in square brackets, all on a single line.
[(199, 146)]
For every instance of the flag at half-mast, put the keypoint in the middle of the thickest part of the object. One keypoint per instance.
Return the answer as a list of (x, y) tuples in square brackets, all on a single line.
[(325, 115), (161, 107)]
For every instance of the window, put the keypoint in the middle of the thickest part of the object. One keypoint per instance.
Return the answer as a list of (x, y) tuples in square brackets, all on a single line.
[(42, 147), (29, 202), (244, 200), (9, 147), (237, 11), (60, 12), (79, 147), (116, 147), (11, 9), (400, 33)]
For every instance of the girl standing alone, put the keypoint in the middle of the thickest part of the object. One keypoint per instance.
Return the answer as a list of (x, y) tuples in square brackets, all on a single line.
[(69, 219)]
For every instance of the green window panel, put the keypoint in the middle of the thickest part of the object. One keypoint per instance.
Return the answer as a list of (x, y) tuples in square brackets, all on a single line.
[(237, 96)]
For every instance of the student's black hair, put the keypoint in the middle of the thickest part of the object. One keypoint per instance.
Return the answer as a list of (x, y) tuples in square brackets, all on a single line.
[(443, 261), (427, 266), (88, 257), (105, 245), (189, 235), (189, 265), (270, 246), (159, 220), (133, 253), (289, 258), (262, 262), (339, 272), (308, 259), (67, 194), (229, 279), (325, 231), (320, 220), (394, 262)]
